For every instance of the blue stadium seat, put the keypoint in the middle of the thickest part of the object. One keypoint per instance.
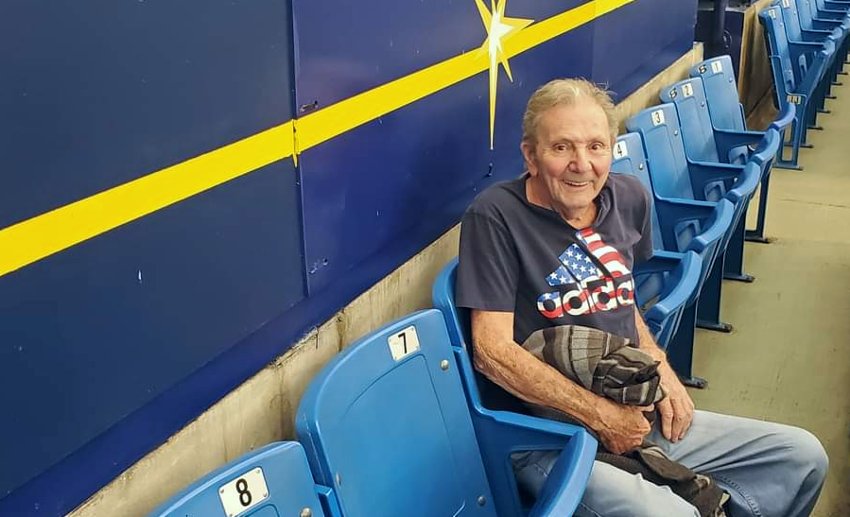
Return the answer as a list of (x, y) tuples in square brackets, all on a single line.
[(788, 88), (663, 287), (387, 425), (704, 143), (703, 140), (836, 5), (726, 111), (679, 225), (827, 15), (721, 91), (803, 43), (798, 26), (271, 481), (487, 428), (665, 284), (676, 176), (811, 17), (810, 20), (820, 10)]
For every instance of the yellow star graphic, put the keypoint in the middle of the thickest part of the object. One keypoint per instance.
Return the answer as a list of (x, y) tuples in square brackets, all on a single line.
[(499, 29)]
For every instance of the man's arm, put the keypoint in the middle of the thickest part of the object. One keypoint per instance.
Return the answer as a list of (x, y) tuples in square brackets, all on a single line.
[(677, 409), (502, 360)]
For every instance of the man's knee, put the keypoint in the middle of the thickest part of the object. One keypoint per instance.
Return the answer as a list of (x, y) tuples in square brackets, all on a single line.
[(805, 454)]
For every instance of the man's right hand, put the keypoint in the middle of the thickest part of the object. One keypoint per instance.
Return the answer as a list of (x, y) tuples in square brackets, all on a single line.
[(621, 428)]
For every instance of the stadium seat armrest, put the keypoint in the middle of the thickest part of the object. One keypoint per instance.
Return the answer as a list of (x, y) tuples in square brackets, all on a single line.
[(675, 209), (690, 266), (729, 140), (802, 47), (526, 432), (829, 14), (827, 25), (815, 35), (658, 263), (564, 487), (328, 500), (785, 117), (706, 174)]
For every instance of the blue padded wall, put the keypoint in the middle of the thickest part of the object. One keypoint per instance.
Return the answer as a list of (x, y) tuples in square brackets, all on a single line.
[(109, 347), (92, 96), (637, 41), (409, 175)]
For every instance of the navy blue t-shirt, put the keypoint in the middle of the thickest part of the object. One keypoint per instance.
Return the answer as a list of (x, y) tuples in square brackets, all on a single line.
[(522, 258)]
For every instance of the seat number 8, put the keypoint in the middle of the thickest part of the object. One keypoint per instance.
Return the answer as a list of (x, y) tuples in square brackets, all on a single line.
[(246, 491)]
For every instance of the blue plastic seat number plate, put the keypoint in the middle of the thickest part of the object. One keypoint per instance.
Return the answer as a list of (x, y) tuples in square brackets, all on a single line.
[(244, 492)]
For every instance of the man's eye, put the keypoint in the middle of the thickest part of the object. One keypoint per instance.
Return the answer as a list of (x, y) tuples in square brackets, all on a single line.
[(559, 148), (598, 147)]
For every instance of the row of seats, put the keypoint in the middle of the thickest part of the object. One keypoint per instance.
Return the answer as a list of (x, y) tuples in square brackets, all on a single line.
[(807, 45), (401, 424), (394, 425), (695, 155)]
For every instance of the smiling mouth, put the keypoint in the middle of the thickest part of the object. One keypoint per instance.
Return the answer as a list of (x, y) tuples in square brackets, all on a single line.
[(577, 183)]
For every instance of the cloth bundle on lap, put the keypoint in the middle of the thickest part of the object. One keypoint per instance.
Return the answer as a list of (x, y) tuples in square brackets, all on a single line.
[(611, 366)]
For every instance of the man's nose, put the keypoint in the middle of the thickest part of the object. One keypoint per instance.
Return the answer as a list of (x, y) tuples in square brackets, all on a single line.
[(580, 161)]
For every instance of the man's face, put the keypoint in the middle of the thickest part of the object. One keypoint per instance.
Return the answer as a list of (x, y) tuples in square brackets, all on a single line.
[(570, 160)]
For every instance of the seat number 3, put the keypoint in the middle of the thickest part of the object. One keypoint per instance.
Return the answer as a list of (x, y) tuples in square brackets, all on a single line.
[(657, 117)]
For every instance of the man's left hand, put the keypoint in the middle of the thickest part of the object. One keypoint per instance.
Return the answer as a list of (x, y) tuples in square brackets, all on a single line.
[(677, 408)]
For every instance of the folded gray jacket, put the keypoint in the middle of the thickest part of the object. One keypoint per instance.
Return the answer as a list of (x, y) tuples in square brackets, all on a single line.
[(611, 366)]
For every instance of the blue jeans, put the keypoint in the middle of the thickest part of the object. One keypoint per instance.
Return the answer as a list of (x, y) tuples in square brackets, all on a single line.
[(769, 470)]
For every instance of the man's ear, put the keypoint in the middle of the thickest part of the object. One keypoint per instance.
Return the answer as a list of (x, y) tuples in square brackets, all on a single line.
[(527, 149)]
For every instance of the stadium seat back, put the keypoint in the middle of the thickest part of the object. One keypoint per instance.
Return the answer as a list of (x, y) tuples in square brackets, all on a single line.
[(629, 158), (386, 424), (721, 92), (779, 52), (272, 481), (697, 132), (659, 128)]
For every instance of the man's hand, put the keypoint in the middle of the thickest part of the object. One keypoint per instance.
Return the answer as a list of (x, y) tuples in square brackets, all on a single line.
[(677, 408), (621, 428)]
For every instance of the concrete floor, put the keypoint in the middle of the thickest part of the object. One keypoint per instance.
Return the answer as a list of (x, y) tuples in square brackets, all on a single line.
[(788, 359)]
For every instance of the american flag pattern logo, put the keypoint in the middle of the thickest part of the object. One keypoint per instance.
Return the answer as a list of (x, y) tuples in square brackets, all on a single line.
[(610, 257), (583, 287)]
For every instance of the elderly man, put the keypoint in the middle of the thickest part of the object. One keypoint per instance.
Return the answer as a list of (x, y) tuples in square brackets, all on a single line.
[(523, 244)]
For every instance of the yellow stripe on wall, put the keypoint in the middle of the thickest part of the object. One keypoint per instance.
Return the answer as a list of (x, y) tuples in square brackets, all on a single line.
[(347, 114), (34, 239), (31, 240)]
